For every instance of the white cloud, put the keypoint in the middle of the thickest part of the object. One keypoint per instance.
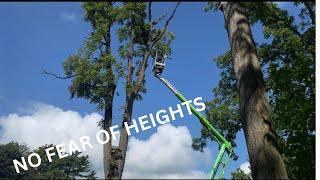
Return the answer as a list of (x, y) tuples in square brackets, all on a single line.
[(69, 17), (47, 124), (166, 154), (245, 167)]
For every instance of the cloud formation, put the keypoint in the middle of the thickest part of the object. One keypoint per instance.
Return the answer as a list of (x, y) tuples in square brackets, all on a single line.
[(69, 17), (47, 124), (166, 154), (245, 167)]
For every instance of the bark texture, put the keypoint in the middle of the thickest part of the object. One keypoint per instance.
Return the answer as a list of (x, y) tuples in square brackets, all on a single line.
[(110, 168), (265, 158)]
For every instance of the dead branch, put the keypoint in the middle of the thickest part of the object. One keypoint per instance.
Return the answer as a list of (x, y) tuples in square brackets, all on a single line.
[(149, 9), (156, 21), (166, 25)]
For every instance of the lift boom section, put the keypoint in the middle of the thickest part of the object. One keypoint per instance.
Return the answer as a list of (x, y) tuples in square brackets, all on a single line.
[(224, 145)]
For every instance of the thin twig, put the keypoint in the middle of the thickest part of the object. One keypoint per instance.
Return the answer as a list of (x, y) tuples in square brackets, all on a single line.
[(156, 21), (166, 25), (57, 76)]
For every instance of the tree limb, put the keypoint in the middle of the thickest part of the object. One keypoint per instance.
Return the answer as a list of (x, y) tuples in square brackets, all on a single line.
[(143, 64), (311, 12), (149, 10), (141, 72), (57, 76), (166, 25), (156, 21)]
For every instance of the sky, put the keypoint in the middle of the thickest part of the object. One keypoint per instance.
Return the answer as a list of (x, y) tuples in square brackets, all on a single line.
[(37, 109)]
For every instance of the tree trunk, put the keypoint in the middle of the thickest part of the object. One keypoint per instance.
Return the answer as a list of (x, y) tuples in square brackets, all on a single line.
[(123, 143), (110, 171), (265, 158), (107, 147)]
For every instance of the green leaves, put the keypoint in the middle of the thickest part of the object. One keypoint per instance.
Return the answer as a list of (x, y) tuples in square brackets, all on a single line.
[(9, 152), (71, 167), (99, 14), (239, 174), (95, 69)]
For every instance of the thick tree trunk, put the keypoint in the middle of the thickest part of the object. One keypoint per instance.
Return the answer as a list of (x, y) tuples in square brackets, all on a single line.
[(265, 158)]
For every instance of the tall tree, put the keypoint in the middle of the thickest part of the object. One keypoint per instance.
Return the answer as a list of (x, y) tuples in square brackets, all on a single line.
[(140, 39), (288, 60), (255, 111), (105, 69), (94, 70)]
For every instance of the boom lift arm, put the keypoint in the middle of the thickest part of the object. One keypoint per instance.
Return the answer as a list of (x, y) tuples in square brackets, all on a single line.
[(224, 145)]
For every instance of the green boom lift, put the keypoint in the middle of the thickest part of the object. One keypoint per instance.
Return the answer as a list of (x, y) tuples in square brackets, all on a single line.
[(224, 145)]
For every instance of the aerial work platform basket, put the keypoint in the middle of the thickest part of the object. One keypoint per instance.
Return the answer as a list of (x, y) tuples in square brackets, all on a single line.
[(159, 63)]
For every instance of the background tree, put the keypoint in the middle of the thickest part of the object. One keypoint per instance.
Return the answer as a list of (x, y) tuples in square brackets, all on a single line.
[(239, 174), (9, 152), (71, 167), (288, 63)]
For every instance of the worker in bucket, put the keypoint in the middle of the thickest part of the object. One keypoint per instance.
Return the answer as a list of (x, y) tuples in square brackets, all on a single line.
[(159, 63)]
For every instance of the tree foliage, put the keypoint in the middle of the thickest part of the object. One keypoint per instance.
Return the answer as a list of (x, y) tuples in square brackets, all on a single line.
[(71, 167), (288, 60), (138, 37), (93, 67), (240, 174), (9, 152), (95, 72)]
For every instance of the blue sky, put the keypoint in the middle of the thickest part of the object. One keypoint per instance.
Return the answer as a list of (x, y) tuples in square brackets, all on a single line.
[(39, 36)]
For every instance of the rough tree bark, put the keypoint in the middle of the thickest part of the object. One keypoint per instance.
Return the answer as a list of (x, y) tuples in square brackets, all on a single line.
[(265, 158), (109, 171)]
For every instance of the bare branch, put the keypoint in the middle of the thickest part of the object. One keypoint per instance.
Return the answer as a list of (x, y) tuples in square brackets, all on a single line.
[(156, 21), (144, 61), (173, 12), (309, 6), (149, 9), (57, 76), (166, 25)]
